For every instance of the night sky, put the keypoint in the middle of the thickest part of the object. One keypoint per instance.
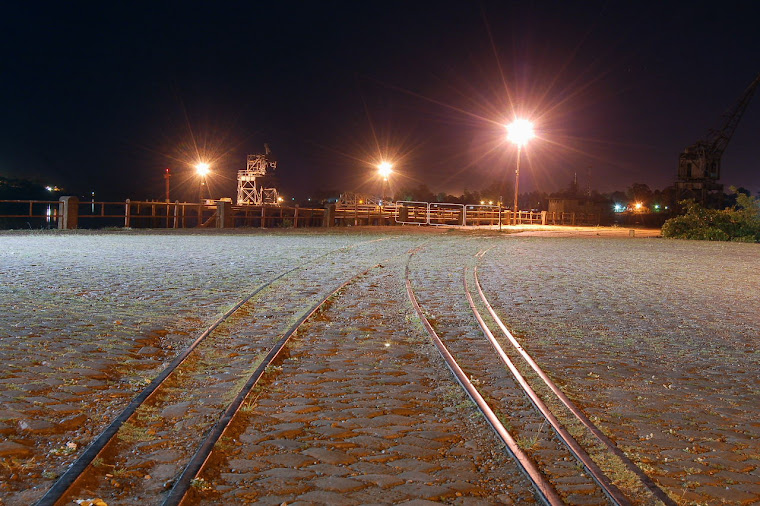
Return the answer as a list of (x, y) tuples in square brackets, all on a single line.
[(104, 96)]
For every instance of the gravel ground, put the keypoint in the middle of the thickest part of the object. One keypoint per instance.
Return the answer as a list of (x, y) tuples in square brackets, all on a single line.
[(655, 339)]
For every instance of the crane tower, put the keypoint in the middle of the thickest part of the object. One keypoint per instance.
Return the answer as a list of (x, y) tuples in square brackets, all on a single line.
[(256, 167), (699, 164)]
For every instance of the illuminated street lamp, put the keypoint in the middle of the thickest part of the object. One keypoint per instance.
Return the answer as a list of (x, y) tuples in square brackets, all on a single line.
[(384, 169), (519, 132), (202, 169)]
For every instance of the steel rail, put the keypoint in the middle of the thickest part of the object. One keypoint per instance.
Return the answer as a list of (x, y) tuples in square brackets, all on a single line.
[(77, 468), (544, 490), (601, 436), (610, 490), (196, 463)]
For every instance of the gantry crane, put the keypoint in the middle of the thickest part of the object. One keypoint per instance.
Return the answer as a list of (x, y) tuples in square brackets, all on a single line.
[(699, 165), (247, 192)]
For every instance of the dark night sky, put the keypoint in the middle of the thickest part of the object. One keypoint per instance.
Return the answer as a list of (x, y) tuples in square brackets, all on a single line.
[(102, 96)]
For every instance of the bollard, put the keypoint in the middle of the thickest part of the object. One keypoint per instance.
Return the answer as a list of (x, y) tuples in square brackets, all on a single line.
[(631, 233), (68, 213)]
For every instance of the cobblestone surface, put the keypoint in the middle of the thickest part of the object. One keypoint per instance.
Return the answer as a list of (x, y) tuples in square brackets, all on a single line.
[(655, 339), (363, 411), (659, 341)]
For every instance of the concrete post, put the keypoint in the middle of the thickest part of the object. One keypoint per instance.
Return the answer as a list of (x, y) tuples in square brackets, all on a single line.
[(329, 216), (68, 213), (224, 215), (127, 213), (543, 217)]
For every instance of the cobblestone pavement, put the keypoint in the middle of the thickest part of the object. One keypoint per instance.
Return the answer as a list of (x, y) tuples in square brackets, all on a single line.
[(363, 411), (655, 339), (658, 341)]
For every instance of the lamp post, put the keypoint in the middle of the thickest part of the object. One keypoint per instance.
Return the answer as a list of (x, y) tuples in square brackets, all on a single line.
[(384, 169), (519, 132), (202, 169)]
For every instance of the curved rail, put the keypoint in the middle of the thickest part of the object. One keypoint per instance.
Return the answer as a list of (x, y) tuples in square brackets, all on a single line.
[(77, 468), (196, 463), (544, 490), (610, 490), (606, 441)]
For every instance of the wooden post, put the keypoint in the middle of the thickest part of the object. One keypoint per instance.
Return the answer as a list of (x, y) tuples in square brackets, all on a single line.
[(295, 217), (127, 213), (176, 214), (263, 216)]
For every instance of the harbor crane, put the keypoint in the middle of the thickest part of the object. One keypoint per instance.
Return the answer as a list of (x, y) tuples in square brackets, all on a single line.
[(699, 164), (248, 193)]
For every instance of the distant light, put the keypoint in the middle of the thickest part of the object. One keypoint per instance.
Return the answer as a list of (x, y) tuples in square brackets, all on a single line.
[(482, 202), (309, 199), (520, 131), (490, 202), (387, 345), (203, 169), (49, 188), (618, 208), (657, 207), (385, 169), (280, 199), (638, 205), (361, 202)]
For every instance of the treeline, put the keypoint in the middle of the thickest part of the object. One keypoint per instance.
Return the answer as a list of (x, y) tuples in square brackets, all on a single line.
[(23, 189)]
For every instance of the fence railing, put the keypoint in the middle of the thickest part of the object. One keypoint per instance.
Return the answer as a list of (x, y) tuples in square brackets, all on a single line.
[(70, 212)]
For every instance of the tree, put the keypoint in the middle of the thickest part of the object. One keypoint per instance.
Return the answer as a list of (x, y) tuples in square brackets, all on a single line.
[(640, 192)]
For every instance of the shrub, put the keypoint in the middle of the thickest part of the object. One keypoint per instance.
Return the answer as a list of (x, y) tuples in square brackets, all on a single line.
[(741, 223)]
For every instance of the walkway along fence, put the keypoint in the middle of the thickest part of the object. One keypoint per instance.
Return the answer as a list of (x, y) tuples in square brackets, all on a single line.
[(71, 213)]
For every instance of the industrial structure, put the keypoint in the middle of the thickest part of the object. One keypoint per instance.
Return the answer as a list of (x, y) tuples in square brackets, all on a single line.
[(248, 193), (699, 164)]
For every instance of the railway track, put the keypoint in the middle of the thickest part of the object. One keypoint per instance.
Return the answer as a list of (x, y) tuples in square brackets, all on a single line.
[(331, 410), (542, 454), (189, 392)]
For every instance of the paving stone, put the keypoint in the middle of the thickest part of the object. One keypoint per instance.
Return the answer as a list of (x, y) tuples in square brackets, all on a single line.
[(329, 456), (338, 484), (36, 426), (283, 443), (324, 497), (414, 464), (726, 494), (424, 491), (381, 480), (415, 451), (289, 460), (329, 469), (287, 473), (245, 465), (14, 450)]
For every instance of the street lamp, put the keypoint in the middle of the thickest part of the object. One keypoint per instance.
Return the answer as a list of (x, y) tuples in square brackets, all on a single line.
[(384, 169), (519, 132), (202, 169)]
